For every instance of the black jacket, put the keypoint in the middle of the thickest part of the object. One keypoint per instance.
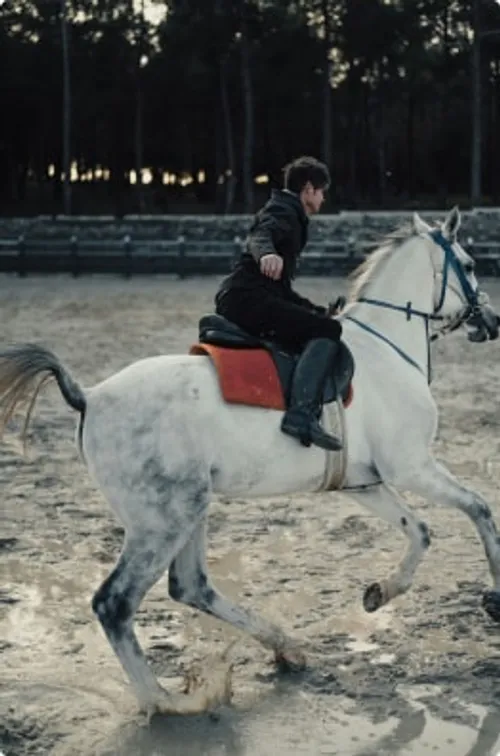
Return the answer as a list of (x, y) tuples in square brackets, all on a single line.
[(280, 227)]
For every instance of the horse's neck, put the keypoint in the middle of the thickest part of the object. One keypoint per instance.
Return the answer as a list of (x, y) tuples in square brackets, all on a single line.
[(405, 277)]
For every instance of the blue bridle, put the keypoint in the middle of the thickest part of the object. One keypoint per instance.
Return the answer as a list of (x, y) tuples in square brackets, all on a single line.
[(452, 262)]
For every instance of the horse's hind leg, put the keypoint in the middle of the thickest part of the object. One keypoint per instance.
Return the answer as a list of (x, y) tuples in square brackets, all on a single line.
[(387, 505), (145, 557), (143, 560), (189, 583)]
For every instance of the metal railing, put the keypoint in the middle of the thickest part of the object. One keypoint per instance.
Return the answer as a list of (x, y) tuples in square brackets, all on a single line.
[(129, 256)]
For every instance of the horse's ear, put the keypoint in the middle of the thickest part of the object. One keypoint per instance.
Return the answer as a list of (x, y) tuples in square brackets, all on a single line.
[(452, 223), (419, 225)]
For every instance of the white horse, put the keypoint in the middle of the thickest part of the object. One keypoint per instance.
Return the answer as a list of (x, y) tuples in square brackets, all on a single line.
[(159, 440)]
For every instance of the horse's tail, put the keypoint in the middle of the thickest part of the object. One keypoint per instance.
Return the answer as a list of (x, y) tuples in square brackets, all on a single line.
[(24, 370)]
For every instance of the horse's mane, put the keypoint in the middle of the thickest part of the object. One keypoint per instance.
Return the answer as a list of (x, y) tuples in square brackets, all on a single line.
[(364, 273)]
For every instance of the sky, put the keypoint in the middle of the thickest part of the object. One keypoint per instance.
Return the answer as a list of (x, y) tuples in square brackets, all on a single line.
[(154, 12)]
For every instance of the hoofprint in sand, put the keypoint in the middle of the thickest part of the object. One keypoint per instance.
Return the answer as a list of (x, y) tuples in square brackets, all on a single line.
[(302, 561)]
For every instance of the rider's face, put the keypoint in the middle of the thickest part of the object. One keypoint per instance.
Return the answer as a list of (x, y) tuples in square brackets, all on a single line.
[(312, 199)]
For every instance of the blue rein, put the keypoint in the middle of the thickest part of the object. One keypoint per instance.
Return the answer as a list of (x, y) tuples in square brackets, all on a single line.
[(450, 261)]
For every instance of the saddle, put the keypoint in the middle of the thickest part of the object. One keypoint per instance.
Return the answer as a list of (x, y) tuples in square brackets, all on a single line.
[(259, 372)]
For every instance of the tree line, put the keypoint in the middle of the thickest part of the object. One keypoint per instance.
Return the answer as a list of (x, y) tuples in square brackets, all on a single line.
[(147, 106)]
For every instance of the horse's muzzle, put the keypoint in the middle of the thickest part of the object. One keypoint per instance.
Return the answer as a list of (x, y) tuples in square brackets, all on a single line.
[(483, 324)]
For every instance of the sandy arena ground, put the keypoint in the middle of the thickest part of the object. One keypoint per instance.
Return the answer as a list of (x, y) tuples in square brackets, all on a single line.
[(418, 677)]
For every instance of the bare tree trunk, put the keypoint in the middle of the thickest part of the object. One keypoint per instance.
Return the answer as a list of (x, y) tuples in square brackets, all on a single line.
[(230, 176), (326, 150), (66, 114), (410, 140), (381, 126), (476, 147), (226, 162), (495, 162), (248, 105), (138, 138), (138, 129), (382, 160), (220, 162), (353, 156), (444, 100)]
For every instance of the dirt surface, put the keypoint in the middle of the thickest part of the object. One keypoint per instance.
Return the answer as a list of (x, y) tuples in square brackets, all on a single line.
[(418, 677)]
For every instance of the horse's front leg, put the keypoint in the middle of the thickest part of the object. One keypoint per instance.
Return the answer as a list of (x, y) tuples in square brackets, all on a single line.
[(387, 505), (434, 482)]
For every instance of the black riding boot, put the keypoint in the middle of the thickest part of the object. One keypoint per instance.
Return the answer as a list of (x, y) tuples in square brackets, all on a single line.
[(301, 420)]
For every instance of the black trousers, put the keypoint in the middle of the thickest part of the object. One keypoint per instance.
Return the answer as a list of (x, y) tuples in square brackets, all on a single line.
[(264, 315)]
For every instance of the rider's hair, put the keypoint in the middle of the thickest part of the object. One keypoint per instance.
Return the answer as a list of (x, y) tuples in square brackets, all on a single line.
[(306, 169)]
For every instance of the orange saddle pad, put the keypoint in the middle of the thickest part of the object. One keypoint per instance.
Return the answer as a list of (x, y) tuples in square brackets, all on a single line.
[(246, 376), (249, 376)]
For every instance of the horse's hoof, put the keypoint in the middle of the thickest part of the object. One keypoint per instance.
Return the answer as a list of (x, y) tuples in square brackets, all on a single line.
[(290, 661), (373, 598), (491, 604)]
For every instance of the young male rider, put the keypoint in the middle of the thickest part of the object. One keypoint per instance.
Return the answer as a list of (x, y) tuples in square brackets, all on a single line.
[(258, 295)]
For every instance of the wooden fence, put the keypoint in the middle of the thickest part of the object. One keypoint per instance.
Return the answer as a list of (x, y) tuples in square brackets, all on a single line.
[(182, 257)]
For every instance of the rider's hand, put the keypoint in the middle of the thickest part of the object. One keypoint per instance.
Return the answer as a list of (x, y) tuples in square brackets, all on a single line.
[(271, 266), (335, 308)]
